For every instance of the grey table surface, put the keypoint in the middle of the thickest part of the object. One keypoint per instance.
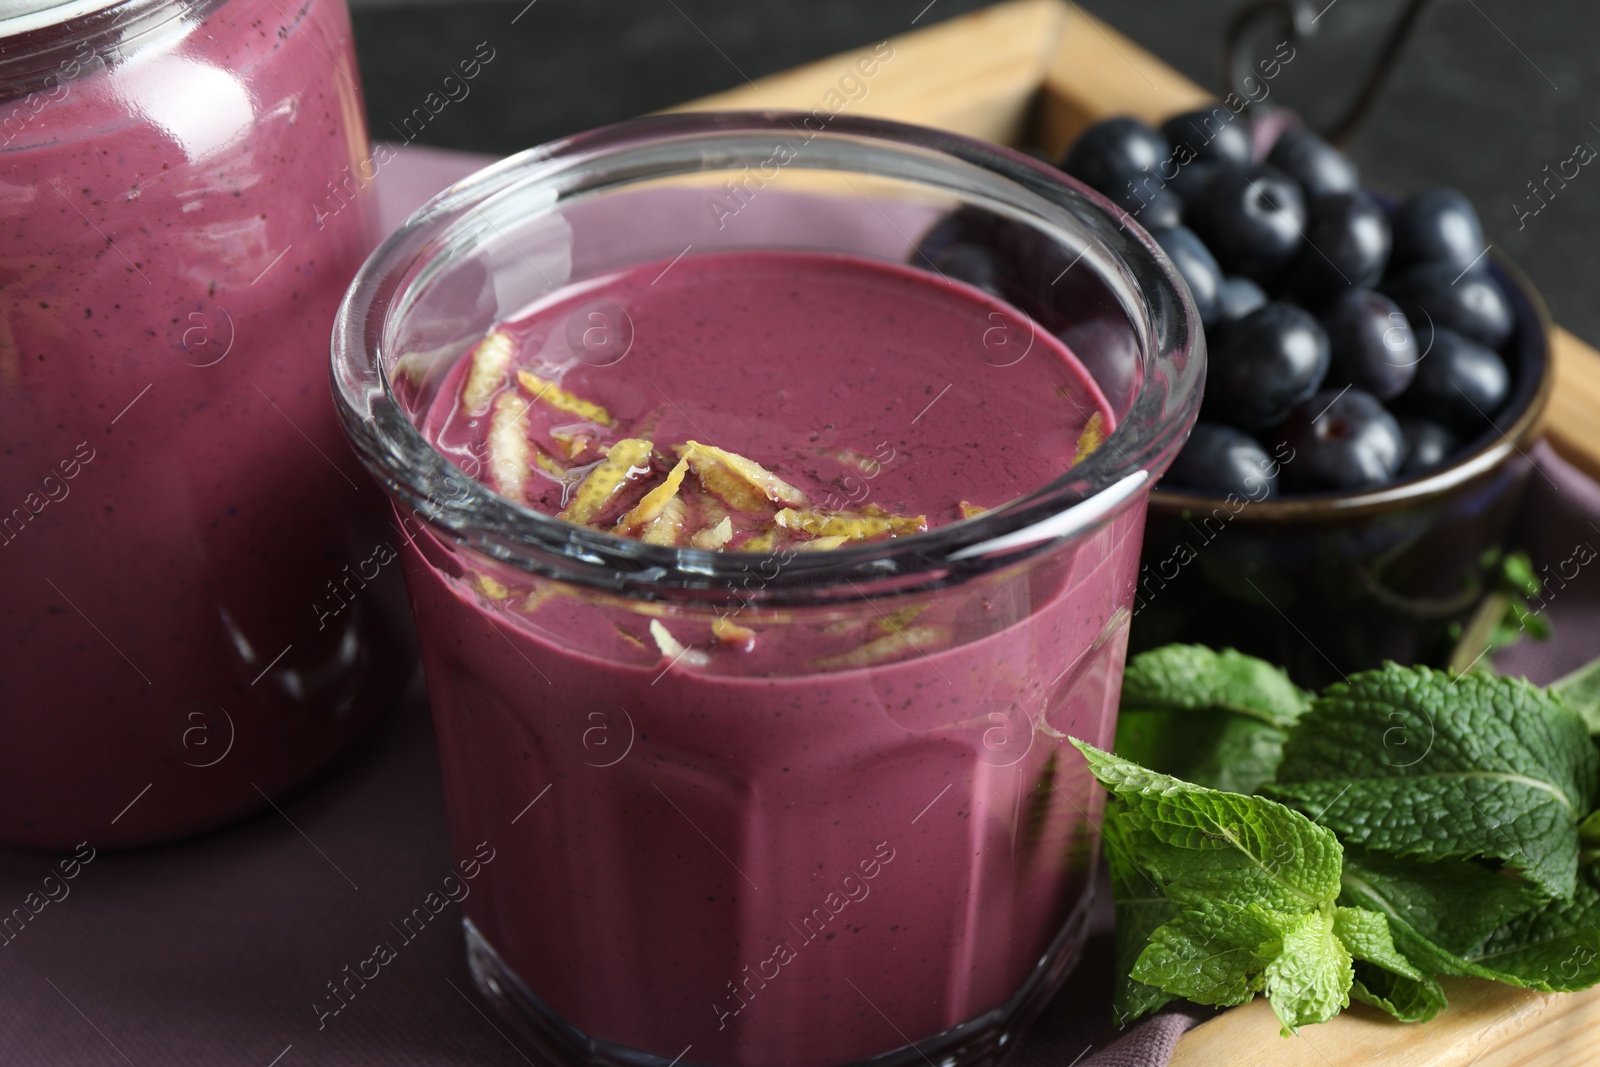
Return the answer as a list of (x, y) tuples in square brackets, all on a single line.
[(1489, 92)]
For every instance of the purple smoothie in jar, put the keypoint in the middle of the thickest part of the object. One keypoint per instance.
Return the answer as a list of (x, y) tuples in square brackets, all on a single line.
[(772, 801), (195, 575)]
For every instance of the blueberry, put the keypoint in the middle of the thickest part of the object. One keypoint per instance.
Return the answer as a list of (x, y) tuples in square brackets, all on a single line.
[(1263, 365), (1428, 445), (1190, 179), (1459, 383), (1371, 343), (1157, 209), (1251, 219), (973, 264), (1437, 226), (965, 225), (1346, 247), (1342, 440), (1441, 295), (1112, 153), (1198, 267), (1215, 135), (1222, 460), (1238, 297), (1320, 168)]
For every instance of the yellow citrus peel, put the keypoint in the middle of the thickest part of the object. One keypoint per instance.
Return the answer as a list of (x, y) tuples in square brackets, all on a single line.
[(665, 528), (739, 482), (713, 537), (652, 503), (764, 541), (490, 587), (896, 621), (628, 459), (731, 633), (547, 392), (890, 646), (822, 544), (491, 358), (1092, 437), (855, 526), (509, 449), (673, 649)]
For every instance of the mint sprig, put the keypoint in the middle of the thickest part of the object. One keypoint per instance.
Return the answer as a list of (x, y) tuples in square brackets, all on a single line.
[(1580, 691), (1453, 767), (1251, 888), (1445, 826), (1214, 718)]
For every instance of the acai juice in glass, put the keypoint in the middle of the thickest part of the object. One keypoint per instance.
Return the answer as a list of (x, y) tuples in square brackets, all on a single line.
[(764, 555), (193, 571)]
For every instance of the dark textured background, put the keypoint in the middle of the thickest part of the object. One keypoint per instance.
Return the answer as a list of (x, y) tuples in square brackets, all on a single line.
[(1487, 94)]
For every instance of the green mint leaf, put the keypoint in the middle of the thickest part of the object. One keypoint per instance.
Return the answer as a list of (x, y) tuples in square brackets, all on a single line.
[(1416, 762), (1203, 846), (1555, 949), (1214, 718), (1455, 917), (1384, 977), (1196, 678), (1453, 905), (1192, 957), (1407, 999), (1254, 883), (1141, 908), (1309, 978), (1366, 934), (1503, 616), (1580, 691)]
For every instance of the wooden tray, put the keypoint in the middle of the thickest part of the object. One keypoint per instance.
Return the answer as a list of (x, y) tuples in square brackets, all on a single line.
[(1036, 72)]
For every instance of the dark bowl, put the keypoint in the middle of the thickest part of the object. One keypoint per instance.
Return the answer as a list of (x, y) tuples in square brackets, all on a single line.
[(1330, 583)]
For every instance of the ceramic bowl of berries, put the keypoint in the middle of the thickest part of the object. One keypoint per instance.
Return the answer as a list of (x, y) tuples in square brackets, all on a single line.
[(1376, 377)]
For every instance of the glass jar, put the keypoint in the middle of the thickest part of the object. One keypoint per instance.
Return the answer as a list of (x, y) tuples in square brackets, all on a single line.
[(193, 567), (825, 859)]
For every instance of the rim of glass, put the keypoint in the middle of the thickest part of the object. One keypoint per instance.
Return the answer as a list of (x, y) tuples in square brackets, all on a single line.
[(41, 37), (468, 514), (20, 16)]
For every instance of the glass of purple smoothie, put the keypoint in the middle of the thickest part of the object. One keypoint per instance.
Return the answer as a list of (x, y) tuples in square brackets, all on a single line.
[(192, 566), (762, 567)]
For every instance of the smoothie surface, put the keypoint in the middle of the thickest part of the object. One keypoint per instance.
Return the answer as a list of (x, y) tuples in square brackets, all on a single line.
[(880, 399)]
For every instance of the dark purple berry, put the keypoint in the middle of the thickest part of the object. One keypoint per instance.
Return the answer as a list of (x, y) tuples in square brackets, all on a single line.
[(1252, 220), (1442, 295), (1198, 268), (1316, 165), (1190, 179), (1155, 210), (1263, 365), (1342, 440), (1238, 297), (1371, 344), (1215, 135), (1437, 226), (1459, 383), (1114, 152), (1428, 445), (973, 264), (1221, 460), (965, 225), (1346, 247)]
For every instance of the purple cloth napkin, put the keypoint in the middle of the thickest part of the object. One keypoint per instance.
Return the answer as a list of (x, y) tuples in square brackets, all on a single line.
[(214, 951)]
